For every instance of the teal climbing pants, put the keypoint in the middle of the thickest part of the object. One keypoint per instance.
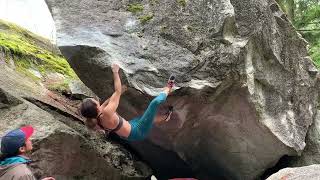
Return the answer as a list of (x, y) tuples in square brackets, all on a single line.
[(141, 126)]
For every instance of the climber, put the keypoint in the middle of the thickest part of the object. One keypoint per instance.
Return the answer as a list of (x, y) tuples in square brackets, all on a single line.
[(13, 162), (104, 115)]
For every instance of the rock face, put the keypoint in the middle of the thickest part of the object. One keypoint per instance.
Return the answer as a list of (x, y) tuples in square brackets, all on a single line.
[(311, 154), (247, 86), (300, 173), (79, 90), (63, 147)]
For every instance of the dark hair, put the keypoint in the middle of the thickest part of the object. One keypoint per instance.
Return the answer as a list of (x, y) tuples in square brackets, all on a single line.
[(91, 123), (89, 108)]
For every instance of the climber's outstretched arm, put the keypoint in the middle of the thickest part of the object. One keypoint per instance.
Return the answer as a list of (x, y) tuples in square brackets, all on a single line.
[(105, 103), (114, 100)]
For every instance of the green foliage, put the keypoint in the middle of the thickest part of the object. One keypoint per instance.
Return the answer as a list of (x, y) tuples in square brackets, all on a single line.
[(145, 18), (315, 54), (307, 13), (306, 19), (135, 8), (24, 45), (182, 2)]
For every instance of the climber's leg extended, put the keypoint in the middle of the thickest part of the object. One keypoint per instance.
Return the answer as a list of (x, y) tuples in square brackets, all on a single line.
[(140, 127)]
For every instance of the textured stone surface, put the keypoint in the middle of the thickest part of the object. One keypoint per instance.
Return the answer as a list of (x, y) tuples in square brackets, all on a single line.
[(79, 90), (307, 172), (311, 154), (63, 147), (7, 100), (247, 93)]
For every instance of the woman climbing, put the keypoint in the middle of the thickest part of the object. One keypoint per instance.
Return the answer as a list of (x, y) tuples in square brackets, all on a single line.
[(104, 116)]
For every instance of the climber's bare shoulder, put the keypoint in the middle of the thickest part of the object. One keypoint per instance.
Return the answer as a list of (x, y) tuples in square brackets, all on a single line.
[(108, 118)]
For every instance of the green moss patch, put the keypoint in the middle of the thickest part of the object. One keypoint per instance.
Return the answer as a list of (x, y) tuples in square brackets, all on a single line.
[(61, 87), (145, 18), (135, 8), (32, 51), (182, 3), (24, 67)]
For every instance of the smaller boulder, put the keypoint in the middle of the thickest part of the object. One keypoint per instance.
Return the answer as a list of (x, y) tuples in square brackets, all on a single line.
[(300, 173)]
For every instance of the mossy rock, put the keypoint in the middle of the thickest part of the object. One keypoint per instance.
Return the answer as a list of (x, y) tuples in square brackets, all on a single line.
[(135, 8), (145, 18), (30, 50), (182, 2), (61, 87)]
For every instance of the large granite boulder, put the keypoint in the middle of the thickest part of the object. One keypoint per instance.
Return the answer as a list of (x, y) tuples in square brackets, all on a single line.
[(247, 86)]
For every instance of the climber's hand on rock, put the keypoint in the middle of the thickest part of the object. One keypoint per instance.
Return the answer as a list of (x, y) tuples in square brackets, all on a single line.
[(115, 68)]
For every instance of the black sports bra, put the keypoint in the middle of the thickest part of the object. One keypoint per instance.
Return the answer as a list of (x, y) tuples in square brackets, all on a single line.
[(110, 130)]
